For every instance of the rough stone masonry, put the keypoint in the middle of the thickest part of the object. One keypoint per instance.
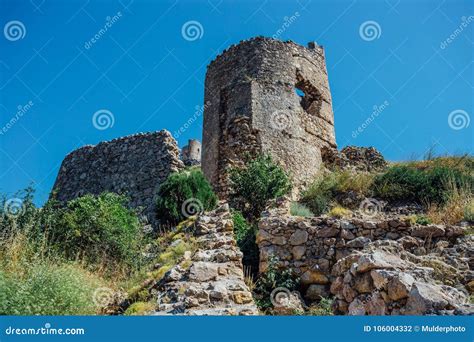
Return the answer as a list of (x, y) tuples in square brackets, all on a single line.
[(267, 96), (134, 165)]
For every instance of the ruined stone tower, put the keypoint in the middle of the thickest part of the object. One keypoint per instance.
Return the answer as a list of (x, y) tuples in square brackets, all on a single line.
[(191, 153), (267, 96)]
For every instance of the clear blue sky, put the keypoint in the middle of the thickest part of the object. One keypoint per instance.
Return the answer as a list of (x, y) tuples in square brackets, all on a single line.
[(144, 71)]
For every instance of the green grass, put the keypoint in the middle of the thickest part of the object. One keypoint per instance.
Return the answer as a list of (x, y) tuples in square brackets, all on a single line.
[(298, 209), (322, 194), (34, 284)]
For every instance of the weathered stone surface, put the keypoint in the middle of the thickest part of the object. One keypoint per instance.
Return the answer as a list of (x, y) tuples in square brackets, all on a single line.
[(326, 232), (399, 286), (371, 265), (394, 285), (378, 259), (298, 252), (135, 165), (251, 107), (314, 277), (354, 158), (202, 271), (424, 298), (359, 242), (433, 230), (299, 237), (290, 303), (213, 283)]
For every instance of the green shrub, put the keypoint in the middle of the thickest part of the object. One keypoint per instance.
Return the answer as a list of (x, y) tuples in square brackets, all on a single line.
[(253, 185), (326, 189), (272, 278), (140, 308), (245, 235), (184, 194), (46, 288), (320, 194), (297, 209), (18, 213), (420, 219), (469, 211), (98, 229), (430, 185), (323, 308)]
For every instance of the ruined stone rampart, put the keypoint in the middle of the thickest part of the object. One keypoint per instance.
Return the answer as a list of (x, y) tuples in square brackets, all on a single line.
[(313, 246), (134, 165), (267, 96)]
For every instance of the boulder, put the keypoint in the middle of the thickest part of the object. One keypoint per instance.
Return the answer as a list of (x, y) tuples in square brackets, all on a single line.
[(434, 230), (299, 237)]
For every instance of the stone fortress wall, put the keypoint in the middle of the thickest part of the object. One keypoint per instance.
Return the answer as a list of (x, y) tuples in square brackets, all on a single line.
[(267, 96), (372, 265), (134, 165)]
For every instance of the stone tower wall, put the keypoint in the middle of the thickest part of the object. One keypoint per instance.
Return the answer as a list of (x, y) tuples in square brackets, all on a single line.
[(134, 165), (253, 107), (191, 153)]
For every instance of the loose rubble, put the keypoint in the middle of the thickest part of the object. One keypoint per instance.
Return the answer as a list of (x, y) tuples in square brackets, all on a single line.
[(372, 266)]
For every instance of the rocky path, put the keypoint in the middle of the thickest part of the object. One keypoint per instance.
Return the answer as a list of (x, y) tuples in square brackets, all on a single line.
[(213, 284)]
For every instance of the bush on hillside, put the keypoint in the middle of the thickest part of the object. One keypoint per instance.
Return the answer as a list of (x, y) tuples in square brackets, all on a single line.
[(17, 213), (258, 181), (327, 188), (46, 288), (424, 186), (184, 194), (97, 229)]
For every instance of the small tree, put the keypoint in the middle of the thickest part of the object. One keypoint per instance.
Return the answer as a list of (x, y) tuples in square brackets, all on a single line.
[(259, 181), (184, 194)]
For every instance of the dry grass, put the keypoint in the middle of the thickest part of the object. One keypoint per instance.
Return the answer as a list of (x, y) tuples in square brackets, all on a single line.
[(360, 182), (340, 212), (463, 163), (248, 278), (459, 207)]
